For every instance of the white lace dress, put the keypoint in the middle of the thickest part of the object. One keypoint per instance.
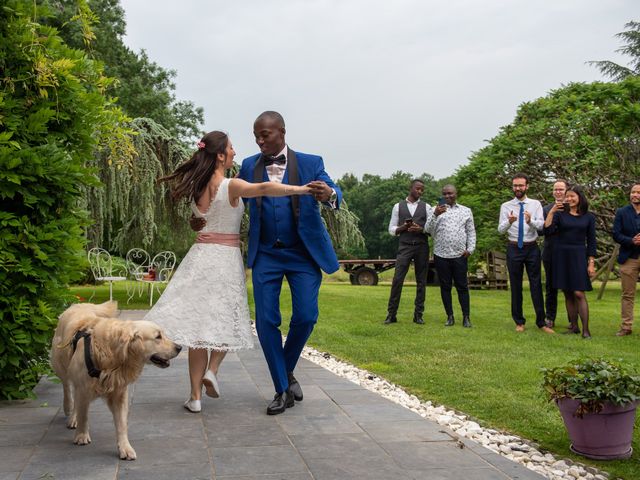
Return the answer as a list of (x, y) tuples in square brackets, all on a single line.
[(205, 303)]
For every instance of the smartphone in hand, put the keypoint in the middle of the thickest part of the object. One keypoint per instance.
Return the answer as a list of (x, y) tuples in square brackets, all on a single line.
[(442, 201), (566, 207)]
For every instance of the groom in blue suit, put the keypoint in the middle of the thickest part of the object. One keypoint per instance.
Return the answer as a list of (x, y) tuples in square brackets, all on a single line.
[(287, 238)]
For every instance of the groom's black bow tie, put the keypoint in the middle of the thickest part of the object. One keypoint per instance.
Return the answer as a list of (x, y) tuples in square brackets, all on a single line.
[(279, 160)]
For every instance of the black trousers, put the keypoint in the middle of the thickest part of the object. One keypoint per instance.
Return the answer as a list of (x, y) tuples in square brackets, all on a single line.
[(550, 293), (420, 255), (517, 260), (453, 271)]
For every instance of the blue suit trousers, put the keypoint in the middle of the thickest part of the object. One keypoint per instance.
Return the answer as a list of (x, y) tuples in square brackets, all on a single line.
[(303, 275)]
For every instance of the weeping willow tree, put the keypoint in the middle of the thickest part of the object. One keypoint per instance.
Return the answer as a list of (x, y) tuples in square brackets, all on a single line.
[(131, 209), (343, 228)]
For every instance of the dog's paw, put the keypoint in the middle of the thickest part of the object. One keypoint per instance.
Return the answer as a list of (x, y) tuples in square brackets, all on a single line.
[(127, 452), (72, 421), (82, 439)]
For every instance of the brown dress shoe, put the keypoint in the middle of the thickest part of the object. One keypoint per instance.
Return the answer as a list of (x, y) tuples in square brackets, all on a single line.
[(546, 329), (623, 333)]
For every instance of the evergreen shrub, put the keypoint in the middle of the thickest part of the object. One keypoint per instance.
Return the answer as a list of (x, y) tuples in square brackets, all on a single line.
[(53, 114)]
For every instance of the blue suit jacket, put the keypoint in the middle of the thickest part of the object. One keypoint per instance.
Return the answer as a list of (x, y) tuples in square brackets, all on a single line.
[(311, 229), (624, 229)]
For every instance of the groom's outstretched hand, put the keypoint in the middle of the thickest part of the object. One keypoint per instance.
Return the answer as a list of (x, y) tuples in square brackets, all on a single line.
[(197, 223), (320, 190)]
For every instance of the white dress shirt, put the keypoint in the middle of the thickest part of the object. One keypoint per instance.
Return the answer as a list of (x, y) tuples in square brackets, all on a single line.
[(453, 231), (534, 207), (393, 223), (276, 172)]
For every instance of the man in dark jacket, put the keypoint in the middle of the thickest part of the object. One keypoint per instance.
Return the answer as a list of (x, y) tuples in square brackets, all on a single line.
[(626, 232), (551, 294)]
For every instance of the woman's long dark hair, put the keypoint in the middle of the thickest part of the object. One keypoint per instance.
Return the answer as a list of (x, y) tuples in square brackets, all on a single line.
[(190, 179), (583, 203)]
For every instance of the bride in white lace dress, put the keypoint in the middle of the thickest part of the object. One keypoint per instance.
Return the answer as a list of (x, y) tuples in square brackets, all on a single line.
[(205, 304)]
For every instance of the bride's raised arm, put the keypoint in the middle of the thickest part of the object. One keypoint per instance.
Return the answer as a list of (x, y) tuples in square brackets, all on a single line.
[(240, 188)]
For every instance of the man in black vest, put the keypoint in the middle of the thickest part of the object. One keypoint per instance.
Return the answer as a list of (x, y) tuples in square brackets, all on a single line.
[(408, 219)]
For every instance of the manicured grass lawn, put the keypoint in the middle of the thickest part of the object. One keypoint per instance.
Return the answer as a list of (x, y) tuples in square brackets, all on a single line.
[(101, 294), (489, 371)]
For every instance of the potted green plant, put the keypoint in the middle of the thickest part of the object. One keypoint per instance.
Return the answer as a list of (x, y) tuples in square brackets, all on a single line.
[(597, 400)]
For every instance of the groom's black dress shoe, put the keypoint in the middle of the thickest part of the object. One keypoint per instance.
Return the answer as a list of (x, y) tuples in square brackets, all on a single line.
[(294, 387), (280, 402)]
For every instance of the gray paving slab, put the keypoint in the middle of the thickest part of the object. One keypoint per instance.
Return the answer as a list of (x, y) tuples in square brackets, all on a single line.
[(277, 476), (415, 430), (135, 471), (340, 431)]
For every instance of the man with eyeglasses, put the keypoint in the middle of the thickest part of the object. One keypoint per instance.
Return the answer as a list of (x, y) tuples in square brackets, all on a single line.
[(520, 219), (551, 294), (626, 232)]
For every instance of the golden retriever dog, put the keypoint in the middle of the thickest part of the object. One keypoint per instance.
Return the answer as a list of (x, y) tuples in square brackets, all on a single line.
[(117, 350)]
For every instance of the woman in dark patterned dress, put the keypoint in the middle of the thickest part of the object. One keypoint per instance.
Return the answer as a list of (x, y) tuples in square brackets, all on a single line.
[(573, 254)]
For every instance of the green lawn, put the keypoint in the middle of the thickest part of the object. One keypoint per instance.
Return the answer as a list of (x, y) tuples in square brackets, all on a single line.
[(488, 372)]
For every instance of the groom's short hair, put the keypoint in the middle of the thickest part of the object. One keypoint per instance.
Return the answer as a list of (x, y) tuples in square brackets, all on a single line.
[(271, 115)]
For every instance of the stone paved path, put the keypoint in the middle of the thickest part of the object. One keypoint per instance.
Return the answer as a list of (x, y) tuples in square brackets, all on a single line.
[(340, 431)]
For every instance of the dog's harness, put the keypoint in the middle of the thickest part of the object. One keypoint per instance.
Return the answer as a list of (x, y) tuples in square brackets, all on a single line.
[(91, 368)]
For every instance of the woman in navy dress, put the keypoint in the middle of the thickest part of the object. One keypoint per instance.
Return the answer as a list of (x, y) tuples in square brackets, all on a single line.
[(573, 255)]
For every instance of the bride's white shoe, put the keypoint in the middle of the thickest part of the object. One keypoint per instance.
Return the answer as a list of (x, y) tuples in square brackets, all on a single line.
[(193, 406), (210, 383)]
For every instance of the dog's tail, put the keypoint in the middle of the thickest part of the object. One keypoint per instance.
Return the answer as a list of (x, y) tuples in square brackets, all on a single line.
[(106, 309)]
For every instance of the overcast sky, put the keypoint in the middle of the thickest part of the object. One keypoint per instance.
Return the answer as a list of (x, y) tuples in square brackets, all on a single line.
[(375, 86)]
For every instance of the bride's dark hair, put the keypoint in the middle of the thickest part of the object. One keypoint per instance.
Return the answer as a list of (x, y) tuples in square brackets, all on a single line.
[(190, 179)]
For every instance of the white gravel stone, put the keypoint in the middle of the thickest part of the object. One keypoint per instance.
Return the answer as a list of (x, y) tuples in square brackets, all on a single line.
[(574, 472), (504, 449), (443, 419)]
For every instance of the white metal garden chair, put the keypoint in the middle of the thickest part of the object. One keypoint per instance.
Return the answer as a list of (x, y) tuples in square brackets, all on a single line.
[(163, 265), (103, 270), (138, 263)]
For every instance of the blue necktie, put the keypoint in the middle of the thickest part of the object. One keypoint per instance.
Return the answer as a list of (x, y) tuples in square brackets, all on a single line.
[(521, 226)]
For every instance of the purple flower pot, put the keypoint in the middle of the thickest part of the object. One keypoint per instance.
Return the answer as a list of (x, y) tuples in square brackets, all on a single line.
[(602, 436)]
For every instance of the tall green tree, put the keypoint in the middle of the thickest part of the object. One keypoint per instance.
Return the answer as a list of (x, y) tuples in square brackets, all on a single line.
[(143, 88), (587, 134), (129, 208), (631, 48), (53, 115)]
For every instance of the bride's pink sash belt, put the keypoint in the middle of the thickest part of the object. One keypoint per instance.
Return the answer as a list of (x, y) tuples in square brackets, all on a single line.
[(228, 239)]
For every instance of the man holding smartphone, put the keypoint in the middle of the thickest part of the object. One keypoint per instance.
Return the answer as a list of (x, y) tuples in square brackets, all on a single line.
[(454, 240), (408, 219), (551, 294)]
